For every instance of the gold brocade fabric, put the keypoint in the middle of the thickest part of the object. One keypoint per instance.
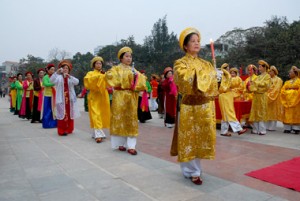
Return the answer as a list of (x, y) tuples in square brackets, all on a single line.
[(197, 82), (98, 99), (290, 99), (124, 121), (236, 87), (247, 95), (13, 94), (29, 89), (259, 105), (275, 108), (226, 98)]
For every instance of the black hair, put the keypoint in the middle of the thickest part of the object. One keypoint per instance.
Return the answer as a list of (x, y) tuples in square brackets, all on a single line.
[(187, 39), (165, 75), (95, 62), (122, 55)]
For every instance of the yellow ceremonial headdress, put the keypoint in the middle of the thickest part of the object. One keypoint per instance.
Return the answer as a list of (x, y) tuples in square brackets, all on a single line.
[(123, 50), (273, 68), (95, 59), (251, 66), (296, 70), (224, 65), (234, 69), (264, 64), (185, 33)]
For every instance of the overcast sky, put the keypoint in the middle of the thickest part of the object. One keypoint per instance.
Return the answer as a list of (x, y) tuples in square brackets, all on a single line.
[(37, 26)]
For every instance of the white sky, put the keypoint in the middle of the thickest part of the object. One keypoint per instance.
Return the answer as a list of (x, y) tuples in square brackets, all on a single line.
[(37, 26)]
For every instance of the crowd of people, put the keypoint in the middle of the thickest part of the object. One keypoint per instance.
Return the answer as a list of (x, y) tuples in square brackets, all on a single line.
[(184, 96)]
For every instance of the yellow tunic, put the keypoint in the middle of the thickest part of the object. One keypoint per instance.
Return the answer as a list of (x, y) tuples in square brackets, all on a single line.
[(259, 87), (197, 83), (247, 95), (226, 98), (124, 120), (13, 94), (236, 87), (290, 99), (98, 99), (275, 108)]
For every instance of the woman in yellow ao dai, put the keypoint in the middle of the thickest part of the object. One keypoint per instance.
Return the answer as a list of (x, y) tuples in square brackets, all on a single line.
[(248, 95), (259, 87), (290, 99), (197, 83), (98, 99), (275, 108), (226, 102), (127, 83), (236, 85)]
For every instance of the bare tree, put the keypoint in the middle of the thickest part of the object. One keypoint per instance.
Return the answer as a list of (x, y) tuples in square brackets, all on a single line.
[(56, 54)]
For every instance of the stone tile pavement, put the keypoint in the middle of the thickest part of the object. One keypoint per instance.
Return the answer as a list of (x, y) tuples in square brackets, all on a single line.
[(37, 164)]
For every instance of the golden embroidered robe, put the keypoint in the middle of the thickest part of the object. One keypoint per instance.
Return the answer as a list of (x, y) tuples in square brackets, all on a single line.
[(124, 120), (98, 99), (290, 99), (197, 83), (236, 87), (226, 98), (275, 108), (248, 95), (259, 87)]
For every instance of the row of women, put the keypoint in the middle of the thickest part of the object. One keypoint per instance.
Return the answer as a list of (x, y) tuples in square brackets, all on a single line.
[(49, 99), (195, 134), (196, 80), (271, 100)]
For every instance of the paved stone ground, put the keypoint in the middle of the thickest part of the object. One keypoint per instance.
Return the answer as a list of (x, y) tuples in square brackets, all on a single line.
[(37, 164)]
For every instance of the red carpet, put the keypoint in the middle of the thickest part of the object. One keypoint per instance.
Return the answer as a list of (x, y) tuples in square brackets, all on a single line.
[(285, 174)]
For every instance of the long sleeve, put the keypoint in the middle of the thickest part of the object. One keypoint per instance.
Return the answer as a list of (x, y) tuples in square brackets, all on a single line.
[(37, 85), (149, 88), (290, 93), (73, 80), (95, 81), (123, 77), (226, 82), (46, 81), (13, 85), (18, 85), (275, 88), (194, 76), (261, 83)]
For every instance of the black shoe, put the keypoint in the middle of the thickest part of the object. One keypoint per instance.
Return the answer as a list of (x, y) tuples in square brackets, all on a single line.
[(286, 131), (297, 132)]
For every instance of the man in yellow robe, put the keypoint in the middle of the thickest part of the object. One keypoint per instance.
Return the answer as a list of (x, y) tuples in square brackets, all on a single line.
[(259, 87), (226, 103), (127, 83), (290, 99), (196, 80), (98, 99), (274, 104)]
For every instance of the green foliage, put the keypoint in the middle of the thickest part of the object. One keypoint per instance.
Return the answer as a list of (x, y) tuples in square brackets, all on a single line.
[(277, 43), (81, 65), (31, 64)]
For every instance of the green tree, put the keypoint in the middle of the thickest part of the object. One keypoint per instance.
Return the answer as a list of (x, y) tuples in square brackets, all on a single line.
[(161, 47), (81, 65), (31, 64)]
